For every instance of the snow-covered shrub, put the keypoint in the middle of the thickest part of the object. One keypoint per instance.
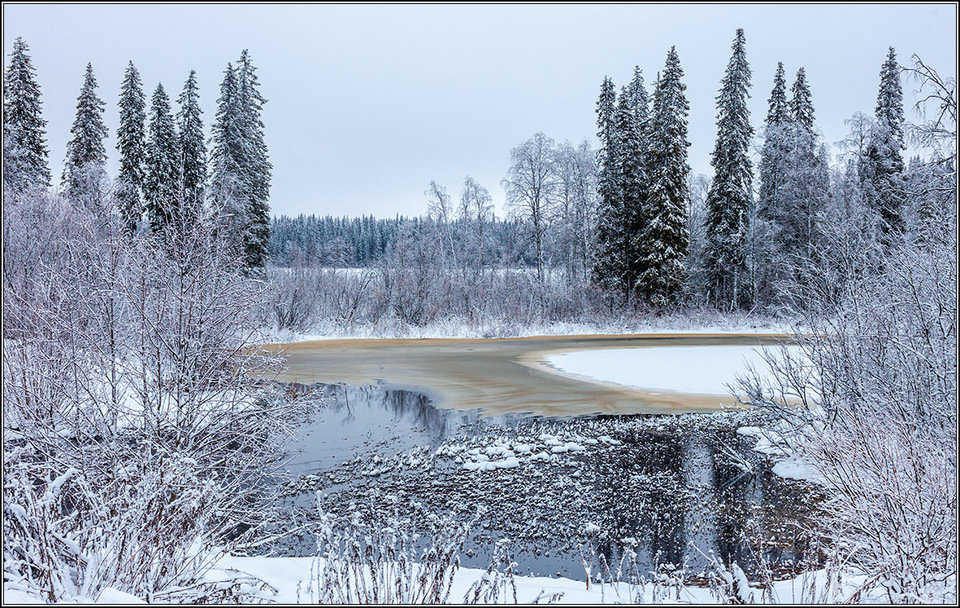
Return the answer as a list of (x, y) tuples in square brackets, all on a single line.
[(871, 405), (293, 299), (137, 435), (371, 564)]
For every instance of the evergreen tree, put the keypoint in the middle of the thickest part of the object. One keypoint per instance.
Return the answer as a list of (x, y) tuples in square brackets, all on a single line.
[(609, 265), (804, 191), (131, 143), (632, 123), (227, 160), (84, 171), (801, 104), (24, 137), (773, 165), (729, 200), (193, 152), (666, 226), (258, 167), (240, 180), (161, 186), (774, 145), (882, 166)]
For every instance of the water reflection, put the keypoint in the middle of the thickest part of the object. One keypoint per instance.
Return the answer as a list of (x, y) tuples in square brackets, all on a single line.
[(385, 420), (670, 494)]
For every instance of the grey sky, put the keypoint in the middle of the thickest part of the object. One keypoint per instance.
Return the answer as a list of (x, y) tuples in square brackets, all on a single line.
[(368, 103)]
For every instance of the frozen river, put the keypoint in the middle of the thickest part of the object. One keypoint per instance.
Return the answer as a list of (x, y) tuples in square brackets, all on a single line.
[(526, 375), (400, 418)]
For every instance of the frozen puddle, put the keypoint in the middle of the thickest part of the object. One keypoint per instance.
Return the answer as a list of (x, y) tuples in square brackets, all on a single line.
[(706, 370)]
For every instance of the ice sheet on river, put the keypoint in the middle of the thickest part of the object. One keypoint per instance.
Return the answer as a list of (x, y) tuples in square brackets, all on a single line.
[(707, 370)]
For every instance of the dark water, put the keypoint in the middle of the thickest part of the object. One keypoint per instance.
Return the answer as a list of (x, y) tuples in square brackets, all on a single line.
[(671, 492), (377, 420)]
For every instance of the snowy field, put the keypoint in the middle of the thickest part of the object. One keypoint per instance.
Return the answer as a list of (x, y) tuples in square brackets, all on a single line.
[(709, 370)]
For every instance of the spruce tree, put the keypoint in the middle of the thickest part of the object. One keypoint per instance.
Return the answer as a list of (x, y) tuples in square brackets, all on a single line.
[(131, 144), (226, 188), (882, 166), (661, 281), (609, 264), (773, 166), (632, 124), (24, 136), (773, 153), (86, 155), (258, 167), (161, 186), (804, 192), (801, 103), (193, 152), (240, 180), (729, 200)]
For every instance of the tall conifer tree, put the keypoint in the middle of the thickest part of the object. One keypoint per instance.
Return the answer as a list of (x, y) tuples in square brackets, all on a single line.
[(801, 103), (226, 184), (86, 155), (24, 129), (882, 166), (193, 152), (131, 144), (161, 186), (240, 180), (258, 167), (632, 124), (666, 230), (772, 156), (729, 200), (774, 161), (609, 268), (804, 192)]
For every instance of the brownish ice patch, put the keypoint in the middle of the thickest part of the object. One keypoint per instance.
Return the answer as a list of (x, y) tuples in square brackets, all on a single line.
[(504, 375)]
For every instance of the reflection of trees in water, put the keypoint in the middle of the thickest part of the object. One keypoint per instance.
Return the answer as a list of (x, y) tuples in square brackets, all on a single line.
[(410, 406), (666, 489), (645, 499), (753, 510), (735, 492), (710, 503)]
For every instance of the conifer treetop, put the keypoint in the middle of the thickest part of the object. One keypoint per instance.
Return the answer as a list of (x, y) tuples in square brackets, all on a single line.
[(24, 129), (801, 104), (778, 112)]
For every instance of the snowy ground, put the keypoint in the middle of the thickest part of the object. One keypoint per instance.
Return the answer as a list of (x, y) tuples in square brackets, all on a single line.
[(709, 370), (293, 580), (456, 328)]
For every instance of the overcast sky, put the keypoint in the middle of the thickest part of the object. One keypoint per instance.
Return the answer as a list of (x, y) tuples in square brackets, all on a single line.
[(368, 103)]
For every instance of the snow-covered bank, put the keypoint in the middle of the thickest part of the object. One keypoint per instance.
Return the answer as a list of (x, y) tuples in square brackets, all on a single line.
[(710, 370), (456, 328), (293, 580)]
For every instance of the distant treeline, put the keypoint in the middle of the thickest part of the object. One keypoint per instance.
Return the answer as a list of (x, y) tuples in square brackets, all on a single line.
[(341, 242)]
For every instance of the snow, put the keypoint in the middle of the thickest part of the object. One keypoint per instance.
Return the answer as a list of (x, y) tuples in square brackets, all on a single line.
[(686, 369), (793, 468), (789, 465), (293, 580), (114, 596), (509, 454), (567, 447), (456, 328)]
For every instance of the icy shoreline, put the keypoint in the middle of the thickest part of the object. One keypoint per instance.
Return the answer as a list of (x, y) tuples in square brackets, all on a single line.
[(457, 329)]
